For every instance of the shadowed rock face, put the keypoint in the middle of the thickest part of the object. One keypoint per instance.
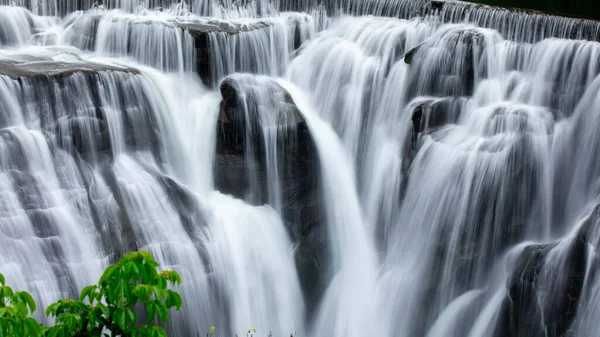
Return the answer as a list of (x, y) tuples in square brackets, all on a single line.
[(251, 108), (453, 58), (546, 286), (227, 47)]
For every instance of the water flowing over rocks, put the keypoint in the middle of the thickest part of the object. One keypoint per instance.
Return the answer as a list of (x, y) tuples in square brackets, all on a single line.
[(324, 168), (548, 284), (266, 155), (214, 47)]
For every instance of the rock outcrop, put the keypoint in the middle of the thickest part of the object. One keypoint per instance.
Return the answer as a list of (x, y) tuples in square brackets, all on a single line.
[(546, 286), (260, 129)]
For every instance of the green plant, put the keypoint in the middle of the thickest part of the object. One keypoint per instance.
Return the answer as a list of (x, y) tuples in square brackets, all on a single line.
[(15, 308), (110, 308), (133, 282)]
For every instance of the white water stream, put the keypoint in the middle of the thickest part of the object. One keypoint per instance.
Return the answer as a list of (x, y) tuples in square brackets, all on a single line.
[(455, 153)]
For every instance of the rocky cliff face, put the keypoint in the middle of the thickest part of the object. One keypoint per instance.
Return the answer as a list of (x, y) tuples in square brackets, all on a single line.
[(265, 155), (548, 284)]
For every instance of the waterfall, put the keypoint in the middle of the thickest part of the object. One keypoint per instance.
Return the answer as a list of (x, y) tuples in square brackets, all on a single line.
[(338, 168)]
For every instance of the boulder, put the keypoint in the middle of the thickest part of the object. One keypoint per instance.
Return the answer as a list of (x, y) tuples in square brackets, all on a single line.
[(452, 56), (428, 115), (544, 289), (256, 117)]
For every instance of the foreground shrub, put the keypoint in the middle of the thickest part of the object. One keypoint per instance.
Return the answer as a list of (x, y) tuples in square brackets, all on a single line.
[(15, 308), (109, 308)]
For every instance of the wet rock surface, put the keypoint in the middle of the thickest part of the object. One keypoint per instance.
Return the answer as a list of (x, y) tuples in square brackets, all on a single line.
[(201, 31), (545, 287), (53, 62), (439, 55), (241, 166)]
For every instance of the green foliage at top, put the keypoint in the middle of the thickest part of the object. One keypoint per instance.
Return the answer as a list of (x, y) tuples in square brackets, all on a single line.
[(105, 309), (577, 8)]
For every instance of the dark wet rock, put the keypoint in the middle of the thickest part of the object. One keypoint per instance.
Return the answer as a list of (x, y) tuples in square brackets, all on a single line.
[(190, 210), (85, 134), (250, 107), (432, 114), (428, 116), (198, 27), (81, 125), (454, 59), (411, 53), (544, 290), (438, 5), (201, 31)]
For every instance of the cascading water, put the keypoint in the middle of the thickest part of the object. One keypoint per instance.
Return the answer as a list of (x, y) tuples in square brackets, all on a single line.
[(345, 168)]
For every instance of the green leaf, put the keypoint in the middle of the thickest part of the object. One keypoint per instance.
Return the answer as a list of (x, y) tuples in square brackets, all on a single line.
[(16, 330), (173, 300), (163, 313), (70, 322), (118, 295), (32, 326), (146, 331), (159, 332), (6, 292), (54, 331), (108, 274), (135, 272), (2, 279), (27, 299), (149, 273), (131, 315), (21, 309), (142, 292), (172, 276), (51, 309), (82, 307), (159, 293), (92, 319), (128, 270), (103, 310), (88, 292), (121, 318), (146, 255), (151, 308)]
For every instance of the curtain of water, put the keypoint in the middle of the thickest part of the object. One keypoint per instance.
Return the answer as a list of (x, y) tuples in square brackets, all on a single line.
[(437, 162)]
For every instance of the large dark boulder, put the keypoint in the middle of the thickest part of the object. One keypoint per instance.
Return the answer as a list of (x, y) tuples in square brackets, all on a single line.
[(259, 123), (429, 115), (545, 287), (455, 58)]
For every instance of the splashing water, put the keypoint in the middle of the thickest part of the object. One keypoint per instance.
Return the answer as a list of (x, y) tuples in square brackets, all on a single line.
[(341, 168)]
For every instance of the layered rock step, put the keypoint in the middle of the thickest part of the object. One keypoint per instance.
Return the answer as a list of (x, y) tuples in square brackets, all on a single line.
[(89, 117), (514, 24), (213, 47)]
